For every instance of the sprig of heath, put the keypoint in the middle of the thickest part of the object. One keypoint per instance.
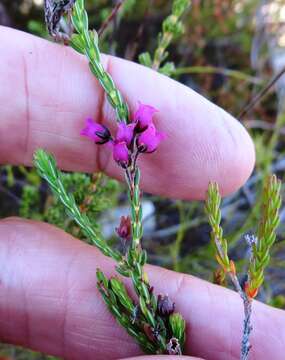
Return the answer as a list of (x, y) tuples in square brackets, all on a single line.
[(260, 249), (123, 309), (266, 235), (172, 27), (141, 325), (86, 42), (213, 211), (161, 330), (150, 319), (212, 207), (47, 168)]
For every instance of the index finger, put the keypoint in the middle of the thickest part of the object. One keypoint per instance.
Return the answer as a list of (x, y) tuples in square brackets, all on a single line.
[(163, 357), (49, 302), (47, 91)]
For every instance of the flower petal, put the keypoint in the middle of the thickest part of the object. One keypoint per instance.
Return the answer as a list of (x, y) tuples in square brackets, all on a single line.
[(121, 153), (125, 133), (149, 140), (96, 132), (144, 115)]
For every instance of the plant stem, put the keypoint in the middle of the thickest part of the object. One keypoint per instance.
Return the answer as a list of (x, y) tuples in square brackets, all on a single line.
[(160, 51), (153, 328), (227, 265), (252, 103), (171, 28), (110, 18), (247, 307), (247, 327), (218, 70), (176, 248), (136, 257)]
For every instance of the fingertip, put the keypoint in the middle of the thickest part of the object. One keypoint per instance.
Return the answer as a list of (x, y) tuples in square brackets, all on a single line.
[(203, 142), (237, 159)]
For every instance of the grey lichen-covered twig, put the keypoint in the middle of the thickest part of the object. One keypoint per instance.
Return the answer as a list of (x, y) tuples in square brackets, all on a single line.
[(247, 307)]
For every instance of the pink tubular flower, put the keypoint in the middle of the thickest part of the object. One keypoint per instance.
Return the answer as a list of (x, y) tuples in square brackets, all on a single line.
[(140, 136), (96, 132), (125, 133), (121, 153), (149, 140), (143, 116)]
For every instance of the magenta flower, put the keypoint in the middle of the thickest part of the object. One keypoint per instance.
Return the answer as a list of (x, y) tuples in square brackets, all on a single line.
[(141, 131), (149, 140), (125, 133), (143, 116), (96, 132), (121, 153)]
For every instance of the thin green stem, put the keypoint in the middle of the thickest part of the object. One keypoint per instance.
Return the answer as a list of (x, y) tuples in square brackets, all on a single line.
[(160, 51), (136, 257), (175, 249), (263, 92), (239, 75), (171, 28)]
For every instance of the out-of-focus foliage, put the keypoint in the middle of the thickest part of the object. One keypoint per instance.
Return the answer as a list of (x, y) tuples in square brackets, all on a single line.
[(224, 55)]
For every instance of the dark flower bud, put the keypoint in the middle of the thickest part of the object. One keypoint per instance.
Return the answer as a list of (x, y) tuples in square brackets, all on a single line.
[(148, 330), (173, 347), (165, 306), (125, 228)]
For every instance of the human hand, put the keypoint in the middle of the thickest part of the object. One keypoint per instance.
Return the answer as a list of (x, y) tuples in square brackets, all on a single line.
[(48, 290)]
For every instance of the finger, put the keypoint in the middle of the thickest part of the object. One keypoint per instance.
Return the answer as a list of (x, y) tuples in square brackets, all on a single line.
[(165, 357), (49, 302), (47, 91)]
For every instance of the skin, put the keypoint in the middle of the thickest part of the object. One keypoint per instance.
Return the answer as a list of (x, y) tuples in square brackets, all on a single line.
[(48, 296)]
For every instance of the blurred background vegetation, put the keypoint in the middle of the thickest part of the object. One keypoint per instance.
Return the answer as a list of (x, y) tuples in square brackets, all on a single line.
[(228, 51)]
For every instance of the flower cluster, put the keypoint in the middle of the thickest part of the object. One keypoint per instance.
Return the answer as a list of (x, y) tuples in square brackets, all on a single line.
[(139, 136)]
